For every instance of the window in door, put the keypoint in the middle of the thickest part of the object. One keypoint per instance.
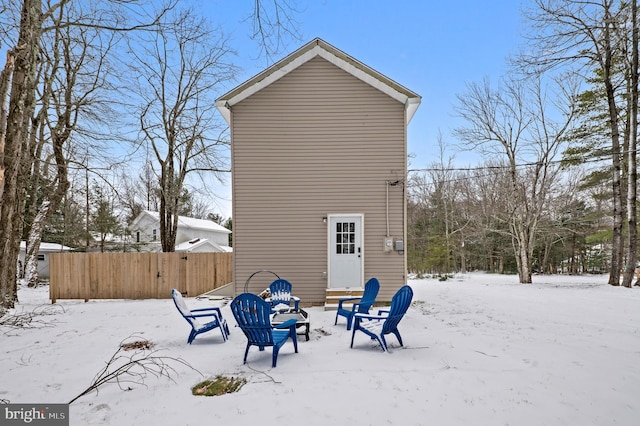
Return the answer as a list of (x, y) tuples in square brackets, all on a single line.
[(345, 238)]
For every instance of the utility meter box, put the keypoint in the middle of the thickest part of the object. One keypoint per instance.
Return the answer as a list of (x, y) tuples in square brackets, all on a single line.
[(387, 244)]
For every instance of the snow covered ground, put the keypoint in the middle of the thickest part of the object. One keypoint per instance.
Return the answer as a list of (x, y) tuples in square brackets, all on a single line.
[(480, 349)]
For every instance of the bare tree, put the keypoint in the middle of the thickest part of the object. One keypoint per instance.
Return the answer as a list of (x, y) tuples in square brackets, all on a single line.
[(129, 197), (23, 74), (19, 82), (515, 124), (445, 201), (179, 69), (273, 23), (588, 34), (568, 219), (138, 193), (480, 202), (71, 74), (485, 193)]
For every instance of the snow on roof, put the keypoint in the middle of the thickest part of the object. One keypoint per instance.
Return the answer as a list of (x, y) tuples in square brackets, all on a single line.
[(190, 222), (198, 242), (49, 247)]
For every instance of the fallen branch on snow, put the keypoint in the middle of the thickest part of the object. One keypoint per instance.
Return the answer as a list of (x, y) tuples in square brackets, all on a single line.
[(33, 319), (133, 368)]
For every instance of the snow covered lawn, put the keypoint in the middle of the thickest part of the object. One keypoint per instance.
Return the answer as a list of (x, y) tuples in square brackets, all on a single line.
[(480, 349)]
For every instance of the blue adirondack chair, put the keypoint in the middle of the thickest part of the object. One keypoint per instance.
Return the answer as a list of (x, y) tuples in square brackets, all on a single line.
[(212, 315), (362, 305), (386, 322), (281, 296), (253, 316)]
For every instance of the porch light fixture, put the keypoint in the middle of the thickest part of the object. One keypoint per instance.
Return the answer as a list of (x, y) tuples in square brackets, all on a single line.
[(324, 219)]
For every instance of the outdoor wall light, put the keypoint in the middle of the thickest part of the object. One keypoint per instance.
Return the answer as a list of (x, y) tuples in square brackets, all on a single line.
[(324, 219)]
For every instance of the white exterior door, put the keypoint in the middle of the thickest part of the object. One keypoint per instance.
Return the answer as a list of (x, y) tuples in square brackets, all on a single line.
[(345, 251)]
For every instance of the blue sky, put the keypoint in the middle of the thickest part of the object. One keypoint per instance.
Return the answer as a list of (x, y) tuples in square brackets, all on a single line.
[(431, 47)]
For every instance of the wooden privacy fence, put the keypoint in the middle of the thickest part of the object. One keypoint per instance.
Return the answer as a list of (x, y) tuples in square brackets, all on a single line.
[(136, 275)]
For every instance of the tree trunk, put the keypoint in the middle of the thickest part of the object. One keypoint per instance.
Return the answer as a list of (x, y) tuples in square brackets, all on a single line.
[(463, 258), (545, 267), (168, 226), (632, 127), (617, 247), (21, 108), (5, 79), (524, 256), (33, 245)]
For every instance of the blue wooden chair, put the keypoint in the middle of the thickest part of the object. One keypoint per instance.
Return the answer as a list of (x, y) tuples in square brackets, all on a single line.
[(377, 326), (280, 295), (362, 305), (192, 316), (253, 316)]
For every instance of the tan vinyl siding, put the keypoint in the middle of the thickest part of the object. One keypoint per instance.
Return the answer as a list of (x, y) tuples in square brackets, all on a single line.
[(316, 142)]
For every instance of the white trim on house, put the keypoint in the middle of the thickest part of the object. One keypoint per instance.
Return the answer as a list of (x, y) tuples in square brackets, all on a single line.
[(301, 56), (310, 138), (202, 245), (360, 248)]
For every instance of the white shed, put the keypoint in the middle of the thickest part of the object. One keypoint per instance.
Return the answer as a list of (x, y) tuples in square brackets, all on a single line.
[(43, 256)]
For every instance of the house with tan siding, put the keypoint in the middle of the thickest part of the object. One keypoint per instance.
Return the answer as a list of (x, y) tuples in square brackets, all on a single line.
[(319, 162)]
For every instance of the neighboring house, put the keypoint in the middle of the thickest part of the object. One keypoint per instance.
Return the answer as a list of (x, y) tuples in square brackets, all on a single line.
[(146, 231), (319, 166), (43, 256)]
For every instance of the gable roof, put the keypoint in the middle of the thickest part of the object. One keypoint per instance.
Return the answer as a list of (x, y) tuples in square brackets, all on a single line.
[(184, 222), (191, 245), (319, 47)]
